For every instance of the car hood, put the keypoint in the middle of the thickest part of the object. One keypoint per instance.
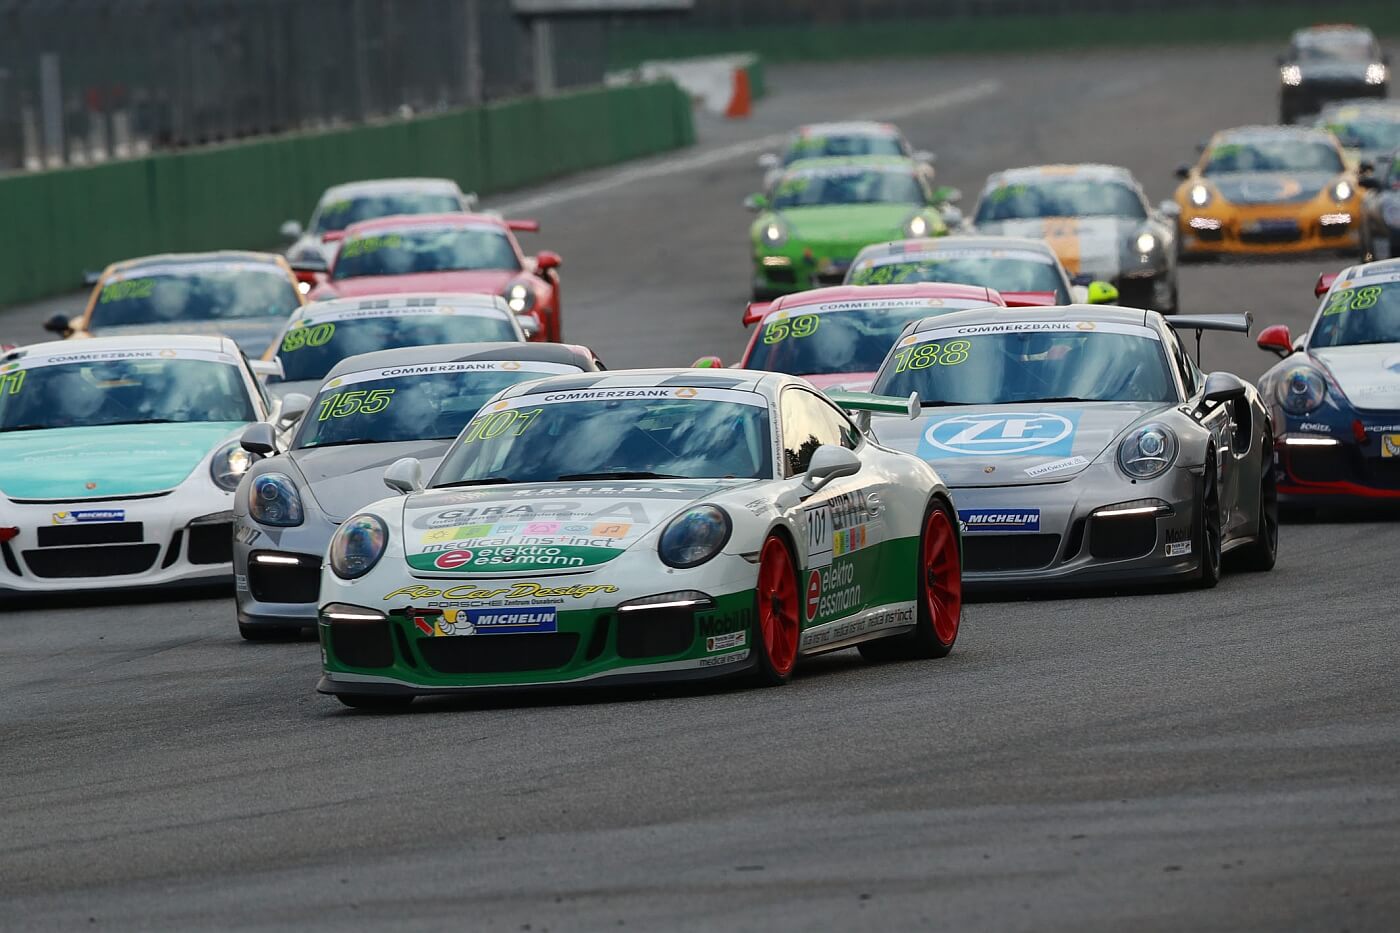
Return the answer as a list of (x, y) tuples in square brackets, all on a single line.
[(479, 282), (1368, 374), (1271, 187), (344, 480), (1093, 244), (69, 464), (848, 222), (540, 527), (1012, 445), (252, 335)]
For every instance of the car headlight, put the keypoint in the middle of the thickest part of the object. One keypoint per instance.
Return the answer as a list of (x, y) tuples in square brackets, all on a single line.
[(1342, 191), (1200, 195), (1146, 243), (273, 500), (774, 233), (357, 546), (1291, 75), (520, 296), (917, 227), (1147, 452), (1376, 73), (694, 536), (1301, 390), (228, 465)]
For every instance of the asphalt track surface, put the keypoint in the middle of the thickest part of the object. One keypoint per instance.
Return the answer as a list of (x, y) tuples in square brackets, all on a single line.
[(1179, 760)]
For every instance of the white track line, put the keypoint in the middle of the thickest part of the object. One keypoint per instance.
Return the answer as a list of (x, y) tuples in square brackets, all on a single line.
[(956, 97)]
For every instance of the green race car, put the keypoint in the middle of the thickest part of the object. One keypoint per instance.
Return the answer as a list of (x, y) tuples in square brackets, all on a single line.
[(821, 212)]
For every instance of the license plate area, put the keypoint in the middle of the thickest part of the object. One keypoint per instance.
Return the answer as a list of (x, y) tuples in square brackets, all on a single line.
[(96, 533)]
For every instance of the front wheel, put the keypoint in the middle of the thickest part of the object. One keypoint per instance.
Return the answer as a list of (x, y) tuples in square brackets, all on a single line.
[(778, 618), (1208, 537), (1261, 553), (939, 596)]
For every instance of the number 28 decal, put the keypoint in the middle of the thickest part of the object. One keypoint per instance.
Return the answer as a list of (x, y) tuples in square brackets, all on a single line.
[(1353, 299)]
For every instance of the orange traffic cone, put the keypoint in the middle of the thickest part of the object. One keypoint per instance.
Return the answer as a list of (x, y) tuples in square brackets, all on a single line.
[(741, 104)]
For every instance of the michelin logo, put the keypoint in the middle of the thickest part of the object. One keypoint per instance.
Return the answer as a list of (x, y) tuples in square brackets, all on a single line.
[(999, 520)]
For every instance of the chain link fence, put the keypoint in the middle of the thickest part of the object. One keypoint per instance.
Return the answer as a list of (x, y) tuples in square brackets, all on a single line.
[(82, 81)]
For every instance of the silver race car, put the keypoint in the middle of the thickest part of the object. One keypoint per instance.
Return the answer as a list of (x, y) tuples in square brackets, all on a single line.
[(372, 410), (1083, 445)]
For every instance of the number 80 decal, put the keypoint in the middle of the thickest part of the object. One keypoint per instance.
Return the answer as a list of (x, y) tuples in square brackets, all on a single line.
[(317, 335)]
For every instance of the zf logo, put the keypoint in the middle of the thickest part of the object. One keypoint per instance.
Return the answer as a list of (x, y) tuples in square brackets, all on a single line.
[(1001, 434)]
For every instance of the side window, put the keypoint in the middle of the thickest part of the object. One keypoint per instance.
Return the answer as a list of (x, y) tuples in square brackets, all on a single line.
[(1182, 362), (808, 423)]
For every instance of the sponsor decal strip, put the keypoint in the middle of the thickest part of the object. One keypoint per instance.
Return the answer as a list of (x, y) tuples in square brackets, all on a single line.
[(114, 356), (437, 369), (1056, 466), (1032, 327), (622, 393), (896, 615), (934, 255), (466, 308)]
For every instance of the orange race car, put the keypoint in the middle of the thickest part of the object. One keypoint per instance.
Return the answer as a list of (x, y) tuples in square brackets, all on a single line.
[(1269, 189)]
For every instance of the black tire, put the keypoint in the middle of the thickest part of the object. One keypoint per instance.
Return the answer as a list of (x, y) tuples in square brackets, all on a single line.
[(269, 632), (1260, 555), (1208, 526), (925, 642), (375, 703)]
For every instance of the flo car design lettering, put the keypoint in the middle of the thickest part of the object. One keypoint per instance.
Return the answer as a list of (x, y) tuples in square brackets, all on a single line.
[(472, 592)]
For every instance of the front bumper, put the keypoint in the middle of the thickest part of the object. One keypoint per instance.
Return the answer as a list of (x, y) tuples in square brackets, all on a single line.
[(416, 648), (783, 271), (179, 538), (1346, 472), (277, 571), (1311, 96), (1262, 229), (1071, 543)]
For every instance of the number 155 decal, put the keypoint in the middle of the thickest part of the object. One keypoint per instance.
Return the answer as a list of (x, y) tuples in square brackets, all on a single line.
[(819, 535)]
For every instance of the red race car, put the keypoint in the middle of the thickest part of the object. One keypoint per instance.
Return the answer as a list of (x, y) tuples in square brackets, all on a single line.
[(445, 253), (839, 336)]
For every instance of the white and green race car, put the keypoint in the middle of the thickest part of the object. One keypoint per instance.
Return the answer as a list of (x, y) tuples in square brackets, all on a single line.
[(638, 526)]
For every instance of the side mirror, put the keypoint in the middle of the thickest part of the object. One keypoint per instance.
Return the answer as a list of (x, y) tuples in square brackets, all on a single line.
[(259, 439), (769, 161), (1224, 387), (290, 231), (708, 362), (1324, 284), (1102, 293), (830, 462), (294, 405), (1169, 208), (547, 259), (1276, 339), (952, 216), (529, 324), (59, 324), (404, 476), (756, 202), (1183, 171)]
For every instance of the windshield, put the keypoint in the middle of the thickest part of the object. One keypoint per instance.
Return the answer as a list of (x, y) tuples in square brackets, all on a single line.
[(622, 433), (851, 185), (1029, 363), (409, 403), (1024, 272), (1281, 155), (1071, 197), (850, 339), (817, 147), (106, 391), (337, 215), (1343, 47), (167, 296), (426, 249), (310, 348), (1360, 314), (1367, 134)]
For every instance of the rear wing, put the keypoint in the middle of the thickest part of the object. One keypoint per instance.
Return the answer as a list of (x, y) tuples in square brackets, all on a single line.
[(755, 312), (883, 404), (1028, 299), (1233, 323)]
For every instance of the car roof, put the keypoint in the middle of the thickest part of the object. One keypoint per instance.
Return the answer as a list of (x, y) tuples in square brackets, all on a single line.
[(134, 342), (405, 300), (970, 241), (742, 380), (1245, 133), (399, 221), (562, 353), (196, 259), (875, 293), (1365, 269), (1092, 313), (1090, 170), (1331, 29), (373, 186), (868, 161), (848, 128)]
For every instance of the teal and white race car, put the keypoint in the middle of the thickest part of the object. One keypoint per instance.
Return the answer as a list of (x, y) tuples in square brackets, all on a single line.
[(119, 457), (640, 526)]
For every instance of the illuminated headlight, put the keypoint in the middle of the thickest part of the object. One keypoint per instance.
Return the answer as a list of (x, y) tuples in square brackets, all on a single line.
[(917, 227), (520, 296), (1301, 390), (273, 500), (229, 464), (1342, 190), (1291, 75), (1146, 242), (1204, 223), (694, 536), (1147, 452), (1376, 73), (1335, 220), (357, 546), (774, 233), (1200, 195)]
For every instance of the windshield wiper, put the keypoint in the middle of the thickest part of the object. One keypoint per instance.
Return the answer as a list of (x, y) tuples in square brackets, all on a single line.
[(349, 441), (484, 481), (619, 474), (938, 402), (142, 421), (29, 427), (1060, 398)]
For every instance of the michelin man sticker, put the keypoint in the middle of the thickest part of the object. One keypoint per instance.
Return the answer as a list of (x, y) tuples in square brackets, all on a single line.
[(1000, 434)]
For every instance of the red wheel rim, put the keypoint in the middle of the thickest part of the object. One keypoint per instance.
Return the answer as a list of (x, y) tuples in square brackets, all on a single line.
[(942, 577), (777, 605)]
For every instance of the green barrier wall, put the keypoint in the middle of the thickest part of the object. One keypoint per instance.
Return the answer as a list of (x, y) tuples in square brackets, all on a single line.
[(54, 225), (915, 36)]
